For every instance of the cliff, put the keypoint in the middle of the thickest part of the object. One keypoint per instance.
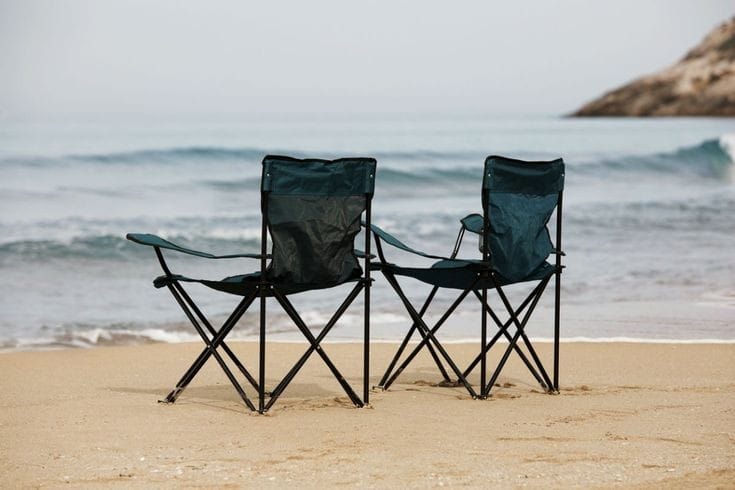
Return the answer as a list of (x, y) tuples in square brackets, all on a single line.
[(701, 84)]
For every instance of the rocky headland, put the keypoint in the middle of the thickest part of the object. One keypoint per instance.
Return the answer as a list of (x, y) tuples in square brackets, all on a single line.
[(701, 84)]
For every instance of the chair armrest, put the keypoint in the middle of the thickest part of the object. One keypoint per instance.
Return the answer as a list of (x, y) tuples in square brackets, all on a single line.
[(158, 242), (386, 237), (473, 222)]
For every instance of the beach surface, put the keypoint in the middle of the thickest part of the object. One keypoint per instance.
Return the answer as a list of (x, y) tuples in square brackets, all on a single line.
[(629, 414)]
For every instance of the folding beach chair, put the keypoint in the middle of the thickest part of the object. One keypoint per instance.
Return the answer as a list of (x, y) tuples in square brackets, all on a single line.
[(518, 200), (312, 210)]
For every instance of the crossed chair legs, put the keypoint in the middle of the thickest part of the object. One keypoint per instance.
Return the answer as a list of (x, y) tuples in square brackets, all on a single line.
[(215, 339), (429, 340)]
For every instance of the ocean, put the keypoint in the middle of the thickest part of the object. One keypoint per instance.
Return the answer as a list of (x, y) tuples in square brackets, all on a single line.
[(649, 222)]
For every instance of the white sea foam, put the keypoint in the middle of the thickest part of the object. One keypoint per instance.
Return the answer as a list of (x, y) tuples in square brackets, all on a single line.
[(591, 340)]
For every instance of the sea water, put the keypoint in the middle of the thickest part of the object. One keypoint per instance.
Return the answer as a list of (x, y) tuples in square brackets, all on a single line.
[(649, 223)]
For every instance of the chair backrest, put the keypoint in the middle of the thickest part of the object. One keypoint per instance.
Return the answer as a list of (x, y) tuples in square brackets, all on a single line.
[(312, 209), (518, 200)]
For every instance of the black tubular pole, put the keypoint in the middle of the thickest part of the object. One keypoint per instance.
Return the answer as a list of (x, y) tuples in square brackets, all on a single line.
[(503, 331), (432, 352), (426, 339), (557, 292), (539, 287), (519, 326), (457, 242), (206, 353), (213, 332), (424, 307), (203, 319), (422, 325), (531, 350), (293, 314), (406, 339), (484, 277), (262, 289), (397, 356), (312, 347), (483, 338), (162, 261), (366, 312), (212, 350)]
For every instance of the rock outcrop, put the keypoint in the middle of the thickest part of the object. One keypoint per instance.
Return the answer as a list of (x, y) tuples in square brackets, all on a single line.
[(701, 84)]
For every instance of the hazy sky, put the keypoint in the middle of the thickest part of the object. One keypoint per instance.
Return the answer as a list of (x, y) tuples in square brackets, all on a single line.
[(180, 58)]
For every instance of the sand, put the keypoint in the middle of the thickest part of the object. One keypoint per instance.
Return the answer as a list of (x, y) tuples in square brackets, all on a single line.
[(631, 415)]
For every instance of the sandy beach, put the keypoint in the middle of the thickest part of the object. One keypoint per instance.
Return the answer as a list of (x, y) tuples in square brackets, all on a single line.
[(632, 415)]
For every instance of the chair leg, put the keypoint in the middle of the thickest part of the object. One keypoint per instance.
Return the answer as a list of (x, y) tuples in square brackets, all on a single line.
[(503, 331), (557, 304), (430, 332), (211, 348), (261, 351), (405, 341), (424, 340), (213, 332), (520, 325), (483, 341), (314, 345), (396, 357), (366, 336), (524, 337)]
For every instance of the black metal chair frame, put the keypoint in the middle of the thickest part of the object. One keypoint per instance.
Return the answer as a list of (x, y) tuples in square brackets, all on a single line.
[(485, 275), (214, 339)]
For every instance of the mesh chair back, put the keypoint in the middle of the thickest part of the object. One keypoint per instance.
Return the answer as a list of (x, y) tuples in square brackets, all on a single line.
[(518, 200), (312, 210)]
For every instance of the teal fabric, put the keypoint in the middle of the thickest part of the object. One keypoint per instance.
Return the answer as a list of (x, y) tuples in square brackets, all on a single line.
[(314, 238), (461, 274), (313, 212), (156, 241), (473, 222), (520, 198), (395, 242), (316, 177), (509, 175)]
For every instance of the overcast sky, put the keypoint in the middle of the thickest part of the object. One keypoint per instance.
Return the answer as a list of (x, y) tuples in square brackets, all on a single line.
[(180, 58)]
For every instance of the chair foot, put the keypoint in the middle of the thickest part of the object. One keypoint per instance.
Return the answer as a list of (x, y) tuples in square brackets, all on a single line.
[(378, 387), (166, 401), (171, 397)]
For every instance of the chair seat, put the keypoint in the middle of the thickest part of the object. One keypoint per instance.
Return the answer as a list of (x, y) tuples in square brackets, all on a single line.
[(245, 284), (459, 274)]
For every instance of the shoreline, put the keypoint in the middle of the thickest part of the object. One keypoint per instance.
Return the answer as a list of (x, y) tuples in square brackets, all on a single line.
[(629, 414), (459, 341)]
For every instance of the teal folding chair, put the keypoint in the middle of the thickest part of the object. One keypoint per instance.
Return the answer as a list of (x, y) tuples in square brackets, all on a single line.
[(518, 200), (312, 211)]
